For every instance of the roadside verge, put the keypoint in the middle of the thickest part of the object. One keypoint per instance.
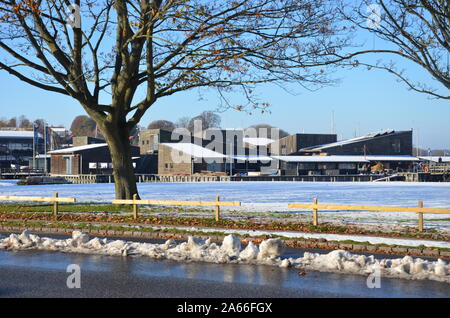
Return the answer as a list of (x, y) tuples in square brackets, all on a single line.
[(353, 243)]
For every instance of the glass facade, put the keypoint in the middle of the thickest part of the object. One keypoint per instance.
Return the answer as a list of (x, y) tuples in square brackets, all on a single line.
[(17, 150)]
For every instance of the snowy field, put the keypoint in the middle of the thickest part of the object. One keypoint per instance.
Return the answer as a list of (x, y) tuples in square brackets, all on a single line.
[(273, 197)]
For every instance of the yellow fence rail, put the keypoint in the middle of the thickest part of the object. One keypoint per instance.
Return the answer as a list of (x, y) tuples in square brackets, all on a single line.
[(217, 204), (55, 200), (315, 206)]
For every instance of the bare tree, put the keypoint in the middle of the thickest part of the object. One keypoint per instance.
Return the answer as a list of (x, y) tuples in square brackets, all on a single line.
[(161, 47), (419, 31), (267, 131), (8, 123), (12, 122), (162, 124), (183, 122), (207, 119), (24, 122), (21, 122)]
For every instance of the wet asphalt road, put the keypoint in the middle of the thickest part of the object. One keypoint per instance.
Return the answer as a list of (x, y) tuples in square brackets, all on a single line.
[(43, 274), (46, 283)]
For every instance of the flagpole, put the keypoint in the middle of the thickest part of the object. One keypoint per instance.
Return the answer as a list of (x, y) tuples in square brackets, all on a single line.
[(45, 147), (34, 145)]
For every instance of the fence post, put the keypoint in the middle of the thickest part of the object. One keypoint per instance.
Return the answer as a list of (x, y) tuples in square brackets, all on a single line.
[(55, 206), (315, 213), (135, 207), (420, 217), (217, 209)]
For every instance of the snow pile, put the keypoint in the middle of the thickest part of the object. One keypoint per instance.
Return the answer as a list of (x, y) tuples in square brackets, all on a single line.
[(344, 261), (4, 184), (250, 252), (270, 249), (193, 250), (267, 253), (231, 245)]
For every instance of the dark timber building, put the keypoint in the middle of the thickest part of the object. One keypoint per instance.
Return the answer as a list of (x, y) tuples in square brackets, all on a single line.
[(386, 143), (293, 144), (86, 159)]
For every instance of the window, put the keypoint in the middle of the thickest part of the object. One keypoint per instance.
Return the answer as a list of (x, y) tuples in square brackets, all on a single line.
[(307, 166), (347, 166), (327, 166)]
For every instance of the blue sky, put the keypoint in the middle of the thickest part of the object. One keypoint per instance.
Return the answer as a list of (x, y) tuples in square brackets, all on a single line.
[(364, 101)]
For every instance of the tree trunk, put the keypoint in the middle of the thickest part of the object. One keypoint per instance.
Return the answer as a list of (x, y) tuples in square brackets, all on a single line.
[(123, 171)]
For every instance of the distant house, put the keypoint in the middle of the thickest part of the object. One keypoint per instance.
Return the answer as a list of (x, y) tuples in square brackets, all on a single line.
[(187, 158), (40, 162), (386, 142), (232, 151), (16, 147), (86, 140), (340, 164), (233, 142), (85, 159), (231, 145), (437, 163), (60, 131), (293, 144), (151, 138)]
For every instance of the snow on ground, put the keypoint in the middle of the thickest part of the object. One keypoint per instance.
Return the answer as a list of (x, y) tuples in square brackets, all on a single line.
[(305, 235), (256, 195), (230, 251), (7, 183), (274, 197)]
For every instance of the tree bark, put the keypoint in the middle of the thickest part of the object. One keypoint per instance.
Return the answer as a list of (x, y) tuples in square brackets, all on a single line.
[(123, 171)]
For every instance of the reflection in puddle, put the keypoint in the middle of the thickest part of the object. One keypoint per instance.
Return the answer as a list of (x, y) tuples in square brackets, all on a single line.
[(337, 284)]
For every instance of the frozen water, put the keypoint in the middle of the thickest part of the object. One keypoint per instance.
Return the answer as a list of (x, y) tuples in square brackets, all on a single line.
[(274, 196)]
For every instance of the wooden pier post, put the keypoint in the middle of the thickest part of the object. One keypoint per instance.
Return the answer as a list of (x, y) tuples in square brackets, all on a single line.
[(135, 207), (217, 209), (420, 217), (315, 213), (55, 206)]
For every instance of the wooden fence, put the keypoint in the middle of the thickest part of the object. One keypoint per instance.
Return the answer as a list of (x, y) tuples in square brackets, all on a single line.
[(315, 206), (217, 204), (55, 200)]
